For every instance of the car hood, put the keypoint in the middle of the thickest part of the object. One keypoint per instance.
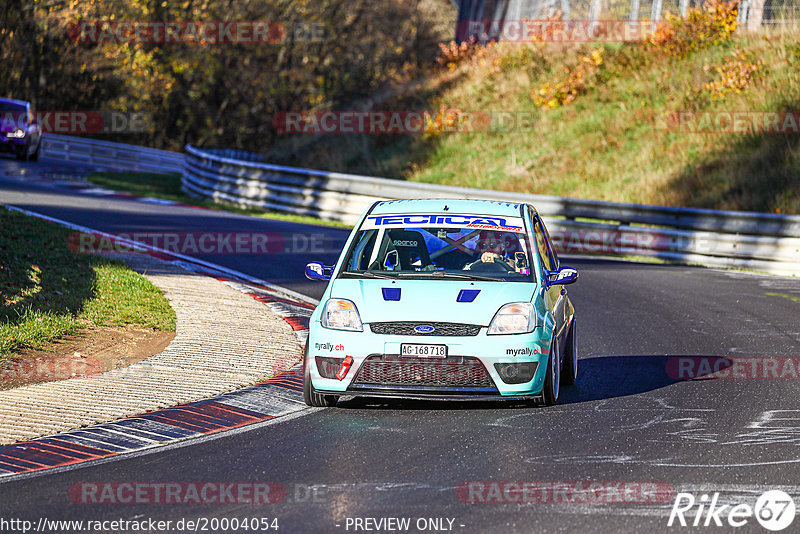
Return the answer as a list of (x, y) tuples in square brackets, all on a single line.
[(430, 300)]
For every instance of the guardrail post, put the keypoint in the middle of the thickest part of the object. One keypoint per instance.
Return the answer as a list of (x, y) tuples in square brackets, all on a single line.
[(655, 13), (595, 9), (565, 10), (634, 11), (755, 15), (744, 9)]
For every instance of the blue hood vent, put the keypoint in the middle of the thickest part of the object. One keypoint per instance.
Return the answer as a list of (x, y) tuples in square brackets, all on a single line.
[(391, 293), (467, 295)]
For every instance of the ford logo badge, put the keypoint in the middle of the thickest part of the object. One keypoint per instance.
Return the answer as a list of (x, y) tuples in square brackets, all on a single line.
[(424, 329)]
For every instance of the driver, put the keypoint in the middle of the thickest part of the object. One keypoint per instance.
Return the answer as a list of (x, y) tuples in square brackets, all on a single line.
[(493, 248)]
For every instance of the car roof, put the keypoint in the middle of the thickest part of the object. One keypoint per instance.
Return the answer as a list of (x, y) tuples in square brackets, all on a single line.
[(447, 205), (12, 101)]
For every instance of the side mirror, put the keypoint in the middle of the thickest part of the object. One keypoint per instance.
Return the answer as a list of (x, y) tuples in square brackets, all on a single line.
[(317, 271), (561, 277)]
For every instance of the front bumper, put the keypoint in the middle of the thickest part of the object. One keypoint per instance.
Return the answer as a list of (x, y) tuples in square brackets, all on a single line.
[(13, 145), (480, 379), (416, 394)]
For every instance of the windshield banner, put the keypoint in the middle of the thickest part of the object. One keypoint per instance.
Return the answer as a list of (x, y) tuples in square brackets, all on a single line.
[(438, 220)]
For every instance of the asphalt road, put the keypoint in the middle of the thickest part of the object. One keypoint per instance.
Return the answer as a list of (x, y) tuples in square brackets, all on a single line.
[(629, 419)]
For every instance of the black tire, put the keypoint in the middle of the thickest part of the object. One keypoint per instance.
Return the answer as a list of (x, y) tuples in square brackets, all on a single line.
[(551, 380), (35, 155), (23, 154), (569, 373), (310, 395)]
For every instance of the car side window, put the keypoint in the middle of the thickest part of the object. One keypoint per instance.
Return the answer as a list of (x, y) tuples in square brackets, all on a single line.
[(553, 256), (541, 244)]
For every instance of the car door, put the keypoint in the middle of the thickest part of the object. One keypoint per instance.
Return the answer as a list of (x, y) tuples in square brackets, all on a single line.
[(552, 294), (562, 307)]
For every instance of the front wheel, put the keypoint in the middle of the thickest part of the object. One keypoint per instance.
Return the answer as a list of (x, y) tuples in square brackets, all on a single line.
[(570, 372), (552, 379), (310, 395)]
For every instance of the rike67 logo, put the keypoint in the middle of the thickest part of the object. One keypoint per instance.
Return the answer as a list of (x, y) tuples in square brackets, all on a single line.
[(774, 510)]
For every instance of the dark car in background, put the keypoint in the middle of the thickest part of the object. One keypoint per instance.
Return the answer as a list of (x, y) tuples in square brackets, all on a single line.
[(20, 134)]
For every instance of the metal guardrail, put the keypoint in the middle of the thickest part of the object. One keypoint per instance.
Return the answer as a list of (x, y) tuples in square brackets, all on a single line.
[(758, 241), (106, 155), (752, 13)]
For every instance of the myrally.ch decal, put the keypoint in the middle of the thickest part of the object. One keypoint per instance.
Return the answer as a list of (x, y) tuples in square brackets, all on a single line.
[(330, 347), (526, 351)]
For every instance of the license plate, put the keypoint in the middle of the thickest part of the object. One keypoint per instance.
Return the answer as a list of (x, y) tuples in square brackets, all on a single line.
[(423, 351)]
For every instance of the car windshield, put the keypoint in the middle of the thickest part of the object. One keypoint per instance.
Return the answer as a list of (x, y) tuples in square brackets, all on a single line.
[(454, 246), (12, 116), (11, 106)]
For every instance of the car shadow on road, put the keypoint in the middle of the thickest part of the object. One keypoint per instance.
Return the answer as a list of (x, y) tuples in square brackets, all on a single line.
[(608, 377), (599, 378)]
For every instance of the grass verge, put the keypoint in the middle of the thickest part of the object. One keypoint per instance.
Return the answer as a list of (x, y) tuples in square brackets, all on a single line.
[(47, 290), (614, 133)]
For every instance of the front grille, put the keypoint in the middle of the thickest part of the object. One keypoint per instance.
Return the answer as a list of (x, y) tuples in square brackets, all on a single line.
[(452, 371), (406, 328)]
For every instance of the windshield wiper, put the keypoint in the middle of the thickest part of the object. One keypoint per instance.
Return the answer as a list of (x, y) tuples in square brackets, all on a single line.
[(370, 274), (444, 274)]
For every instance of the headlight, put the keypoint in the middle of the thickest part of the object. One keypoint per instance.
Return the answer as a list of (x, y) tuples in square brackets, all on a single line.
[(341, 314), (514, 318), (19, 134)]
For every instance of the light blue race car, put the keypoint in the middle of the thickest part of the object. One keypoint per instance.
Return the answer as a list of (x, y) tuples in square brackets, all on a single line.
[(443, 299)]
